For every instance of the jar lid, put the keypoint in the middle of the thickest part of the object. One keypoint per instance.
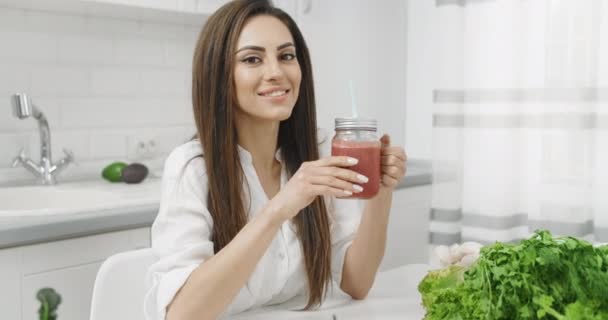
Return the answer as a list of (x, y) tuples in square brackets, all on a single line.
[(356, 123)]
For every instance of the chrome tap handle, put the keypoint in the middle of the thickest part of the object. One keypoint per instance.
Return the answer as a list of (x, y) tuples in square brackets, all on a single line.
[(69, 156), (63, 163), (18, 159), (28, 164)]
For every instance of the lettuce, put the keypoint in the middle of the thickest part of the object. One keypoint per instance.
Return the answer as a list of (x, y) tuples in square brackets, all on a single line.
[(540, 278)]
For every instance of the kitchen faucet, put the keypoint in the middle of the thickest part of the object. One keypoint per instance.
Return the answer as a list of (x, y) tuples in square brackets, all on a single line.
[(46, 171)]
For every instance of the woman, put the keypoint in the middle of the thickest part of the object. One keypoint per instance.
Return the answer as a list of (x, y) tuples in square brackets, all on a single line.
[(250, 214)]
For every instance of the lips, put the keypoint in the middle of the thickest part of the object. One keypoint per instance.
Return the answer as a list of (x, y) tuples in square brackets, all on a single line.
[(274, 92)]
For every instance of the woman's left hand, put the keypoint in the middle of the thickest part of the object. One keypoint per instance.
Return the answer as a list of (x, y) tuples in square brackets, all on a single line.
[(393, 161)]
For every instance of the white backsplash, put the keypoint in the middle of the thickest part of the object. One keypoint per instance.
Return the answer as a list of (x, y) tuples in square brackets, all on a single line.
[(112, 89)]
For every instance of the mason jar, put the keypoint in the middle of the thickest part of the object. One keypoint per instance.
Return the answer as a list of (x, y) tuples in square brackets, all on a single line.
[(357, 138)]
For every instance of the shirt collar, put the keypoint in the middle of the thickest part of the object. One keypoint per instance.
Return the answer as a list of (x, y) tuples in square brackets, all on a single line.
[(245, 156)]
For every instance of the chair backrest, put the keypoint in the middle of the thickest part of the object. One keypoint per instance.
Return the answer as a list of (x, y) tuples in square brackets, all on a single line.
[(120, 286)]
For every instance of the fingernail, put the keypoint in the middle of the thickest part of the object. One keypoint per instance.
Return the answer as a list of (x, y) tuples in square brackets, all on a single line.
[(348, 193), (357, 188), (362, 178), (352, 160)]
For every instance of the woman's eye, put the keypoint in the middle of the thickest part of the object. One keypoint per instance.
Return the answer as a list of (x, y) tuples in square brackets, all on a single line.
[(289, 56), (251, 60)]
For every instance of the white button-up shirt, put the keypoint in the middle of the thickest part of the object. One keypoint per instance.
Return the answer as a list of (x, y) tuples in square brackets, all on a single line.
[(181, 235)]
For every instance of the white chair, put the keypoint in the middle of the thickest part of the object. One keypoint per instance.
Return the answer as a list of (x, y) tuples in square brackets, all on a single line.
[(120, 288)]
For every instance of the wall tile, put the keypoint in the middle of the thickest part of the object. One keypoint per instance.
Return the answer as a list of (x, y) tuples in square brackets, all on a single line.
[(93, 113), (192, 33), (123, 113), (170, 112), (47, 22), (179, 54), (96, 26), (159, 31), (110, 81), (13, 79), (173, 137), (60, 81), (28, 47), (165, 82), (108, 145), (11, 19), (135, 51), (84, 49)]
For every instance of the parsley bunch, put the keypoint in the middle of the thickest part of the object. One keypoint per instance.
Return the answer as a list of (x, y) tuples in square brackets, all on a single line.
[(539, 278)]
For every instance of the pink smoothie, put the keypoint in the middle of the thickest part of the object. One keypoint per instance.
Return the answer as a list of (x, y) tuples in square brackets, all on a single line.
[(368, 154)]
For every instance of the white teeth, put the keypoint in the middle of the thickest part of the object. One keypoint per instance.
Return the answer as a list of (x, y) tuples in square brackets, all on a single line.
[(275, 93)]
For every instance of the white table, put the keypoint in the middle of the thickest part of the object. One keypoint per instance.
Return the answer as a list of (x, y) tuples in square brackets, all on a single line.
[(394, 296)]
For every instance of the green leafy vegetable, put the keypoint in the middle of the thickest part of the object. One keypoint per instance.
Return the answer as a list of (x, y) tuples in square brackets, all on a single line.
[(540, 278), (49, 301)]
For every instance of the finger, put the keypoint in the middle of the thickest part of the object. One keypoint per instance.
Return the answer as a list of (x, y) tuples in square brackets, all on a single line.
[(394, 151), (392, 160), (393, 171), (398, 164), (389, 181), (344, 174), (336, 161), (336, 183), (321, 190), (386, 140)]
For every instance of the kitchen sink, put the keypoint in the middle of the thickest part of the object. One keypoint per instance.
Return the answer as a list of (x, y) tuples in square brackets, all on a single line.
[(76, 197)]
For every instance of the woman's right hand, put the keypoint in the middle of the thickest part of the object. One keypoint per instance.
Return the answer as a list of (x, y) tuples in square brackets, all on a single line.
[(324, 177)]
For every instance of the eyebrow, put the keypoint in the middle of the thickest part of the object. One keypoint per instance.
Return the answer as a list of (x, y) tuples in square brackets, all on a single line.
[(257, 48)]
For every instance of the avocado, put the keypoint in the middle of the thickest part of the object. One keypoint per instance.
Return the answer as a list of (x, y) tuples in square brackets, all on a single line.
[(113, 172), (134, 173)]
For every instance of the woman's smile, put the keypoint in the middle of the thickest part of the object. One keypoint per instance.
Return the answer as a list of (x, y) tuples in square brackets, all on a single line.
[(275, 94)]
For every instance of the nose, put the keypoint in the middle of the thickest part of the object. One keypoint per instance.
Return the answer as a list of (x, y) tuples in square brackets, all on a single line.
[(274, 70)]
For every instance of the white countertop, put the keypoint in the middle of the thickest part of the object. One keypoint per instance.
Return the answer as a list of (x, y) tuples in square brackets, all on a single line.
[(120, 207), (99, 207), (393, 296)]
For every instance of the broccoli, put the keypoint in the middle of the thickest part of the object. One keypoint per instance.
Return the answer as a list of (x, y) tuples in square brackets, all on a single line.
[(49, 301)]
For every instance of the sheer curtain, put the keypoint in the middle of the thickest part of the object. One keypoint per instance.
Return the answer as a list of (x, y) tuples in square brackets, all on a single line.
[(520, 120)]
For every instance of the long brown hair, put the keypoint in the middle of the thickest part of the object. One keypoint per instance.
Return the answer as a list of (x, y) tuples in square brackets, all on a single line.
[(214, 102)]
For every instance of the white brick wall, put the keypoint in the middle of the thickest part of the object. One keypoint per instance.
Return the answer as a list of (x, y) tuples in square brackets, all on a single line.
[(106, 85)]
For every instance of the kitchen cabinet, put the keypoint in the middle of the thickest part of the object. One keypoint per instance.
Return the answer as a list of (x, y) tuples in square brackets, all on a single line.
[(190, 12), (10, 283), (169, 5), (75, 284), (205, 7), (209, 6), (408, 228), (69, 266)]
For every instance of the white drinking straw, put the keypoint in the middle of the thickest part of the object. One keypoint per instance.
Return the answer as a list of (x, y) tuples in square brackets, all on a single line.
[(353, 103)]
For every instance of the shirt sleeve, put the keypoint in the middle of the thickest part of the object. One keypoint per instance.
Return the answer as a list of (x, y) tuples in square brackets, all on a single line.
[(345, 217), (181, 233)]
